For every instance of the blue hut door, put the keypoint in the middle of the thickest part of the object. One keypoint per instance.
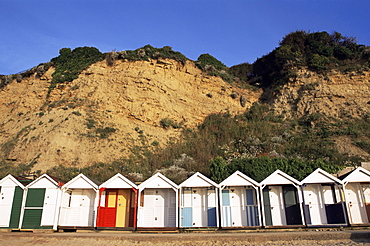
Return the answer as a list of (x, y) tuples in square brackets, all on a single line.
[(251, 209), (211, 207), (333, 205), (226, 209), (187, 208)]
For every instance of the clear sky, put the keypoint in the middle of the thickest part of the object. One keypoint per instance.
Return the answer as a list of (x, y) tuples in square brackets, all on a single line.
[(233, 31)]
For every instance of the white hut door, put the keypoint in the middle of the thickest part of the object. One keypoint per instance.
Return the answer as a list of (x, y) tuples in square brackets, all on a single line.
[(160, 198), (148, 208), (356, 204), (72, 217), (85, 205), (366, 192), (277, 205), (200, 209), (315, 204), (6, 200), (236, 206), (49, 209), (171, 214)]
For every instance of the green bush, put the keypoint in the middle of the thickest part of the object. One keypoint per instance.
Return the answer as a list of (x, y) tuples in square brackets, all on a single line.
[(319, 51), (205, 60), (149, 52), (70, 63), (105, 132), (166, 123)]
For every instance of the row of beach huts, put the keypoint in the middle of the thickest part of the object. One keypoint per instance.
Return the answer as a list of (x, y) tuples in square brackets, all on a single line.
[(319, 200)]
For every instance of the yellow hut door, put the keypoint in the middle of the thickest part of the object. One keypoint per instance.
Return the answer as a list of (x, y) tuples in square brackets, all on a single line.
[(123, 209)]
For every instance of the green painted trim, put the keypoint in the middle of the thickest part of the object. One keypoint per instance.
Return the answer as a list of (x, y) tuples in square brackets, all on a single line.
[(16, 207)]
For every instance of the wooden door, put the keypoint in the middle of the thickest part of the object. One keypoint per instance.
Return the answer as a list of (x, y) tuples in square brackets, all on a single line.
[(33, 208), (236, 206), (187, 208), (277, 206), (159, 205), (171, 209), (316, 208), (356, 205), (291, 205), (6, 201), (200, 209), (366, 195), (267, 206), (226, 208), (123, 208), (211, 205), (251, 208)]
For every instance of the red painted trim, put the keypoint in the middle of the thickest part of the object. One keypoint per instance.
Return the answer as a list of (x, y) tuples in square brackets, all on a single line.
[(135, 206), (98, 214)]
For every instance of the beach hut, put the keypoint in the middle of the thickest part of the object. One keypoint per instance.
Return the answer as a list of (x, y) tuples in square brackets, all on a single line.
[(199, 202), (239, 199), (281, 200), (357, 196), (11, 195), (158, 203), (79, 203), (40, 203), (117, 204), (322, 199)]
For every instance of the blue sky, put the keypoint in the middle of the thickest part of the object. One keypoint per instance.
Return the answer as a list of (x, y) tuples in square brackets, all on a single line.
[(233, 31)]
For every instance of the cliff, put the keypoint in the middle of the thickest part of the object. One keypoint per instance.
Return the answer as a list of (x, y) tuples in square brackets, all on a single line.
[(108, 111)]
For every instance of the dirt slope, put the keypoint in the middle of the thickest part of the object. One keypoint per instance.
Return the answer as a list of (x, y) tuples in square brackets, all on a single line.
[(107, 111)]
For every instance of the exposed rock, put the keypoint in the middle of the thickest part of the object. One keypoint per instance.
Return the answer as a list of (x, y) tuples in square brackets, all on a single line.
[(336, 95), (123, 97), (243, 101), (234, 95)]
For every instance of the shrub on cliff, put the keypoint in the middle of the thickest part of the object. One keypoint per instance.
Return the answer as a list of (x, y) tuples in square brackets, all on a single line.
[(319, 51), (69, 64), (150, 52)]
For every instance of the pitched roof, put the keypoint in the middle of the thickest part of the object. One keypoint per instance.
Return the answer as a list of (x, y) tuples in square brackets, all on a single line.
[(279, 177), (320, 176), (198, 180)]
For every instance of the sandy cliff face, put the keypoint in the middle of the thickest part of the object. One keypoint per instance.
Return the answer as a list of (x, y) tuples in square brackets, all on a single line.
[(101, 115), (335, 95)]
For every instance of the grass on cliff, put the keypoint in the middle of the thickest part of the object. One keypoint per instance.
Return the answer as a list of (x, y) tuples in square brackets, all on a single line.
[(257, 139), (320, 52)]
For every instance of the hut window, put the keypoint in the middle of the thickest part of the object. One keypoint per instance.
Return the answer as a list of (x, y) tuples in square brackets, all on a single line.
[(69, 198), (102, 199)]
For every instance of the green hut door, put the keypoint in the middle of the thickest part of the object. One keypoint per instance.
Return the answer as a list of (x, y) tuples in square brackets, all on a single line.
[(33, 208), (292, 209)]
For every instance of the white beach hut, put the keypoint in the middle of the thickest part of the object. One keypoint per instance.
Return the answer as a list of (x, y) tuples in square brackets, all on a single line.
[(11, 195), (357, 196), (323, 203), (79, 203), (117, 203), (199, 202), (281, 200), (40, 203), (158, 203), (239, 199)]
